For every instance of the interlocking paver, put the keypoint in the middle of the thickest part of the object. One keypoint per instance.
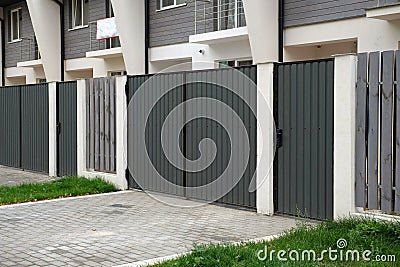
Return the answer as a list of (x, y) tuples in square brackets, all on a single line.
[(108, 230), (11, 176)]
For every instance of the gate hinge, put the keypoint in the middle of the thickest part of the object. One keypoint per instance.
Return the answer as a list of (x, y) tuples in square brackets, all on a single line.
[(127, 92)]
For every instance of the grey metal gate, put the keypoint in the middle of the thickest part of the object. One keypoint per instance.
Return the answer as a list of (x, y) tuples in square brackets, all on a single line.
[(35, 127), (66, 128), (24, 131), (184, 88), (303, 112), (10, 126)]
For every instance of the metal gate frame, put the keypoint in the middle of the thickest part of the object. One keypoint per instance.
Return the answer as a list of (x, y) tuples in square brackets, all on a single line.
[(238, 196), (303, 165)]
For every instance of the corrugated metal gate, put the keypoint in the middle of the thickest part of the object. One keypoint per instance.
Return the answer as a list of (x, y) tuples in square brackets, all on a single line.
[(184, 88), (24, 135), (303, 112), (66, 128)]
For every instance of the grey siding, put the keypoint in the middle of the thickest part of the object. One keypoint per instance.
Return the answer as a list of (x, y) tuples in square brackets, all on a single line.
[(301, 12), (77, 42), (13, 51), (171, 26)]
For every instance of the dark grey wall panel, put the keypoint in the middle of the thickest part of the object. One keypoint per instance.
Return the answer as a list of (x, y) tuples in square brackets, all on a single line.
[(10, 147), (301, 12), (304, 163), (13, 50), (35, 127), (67, 135), (171, 26), (77, 42)]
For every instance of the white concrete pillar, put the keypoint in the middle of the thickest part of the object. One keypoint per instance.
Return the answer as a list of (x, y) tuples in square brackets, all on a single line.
[(81, 127), (130, 20), (262, 19), (265, 138), (53, 129), (121, 134), (344, 135), (45, 18)]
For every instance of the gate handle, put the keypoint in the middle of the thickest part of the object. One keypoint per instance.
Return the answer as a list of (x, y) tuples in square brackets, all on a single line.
[(58, 127), (279, 138)]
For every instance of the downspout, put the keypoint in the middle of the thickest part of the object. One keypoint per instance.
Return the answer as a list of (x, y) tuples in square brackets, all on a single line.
[(281, 28), (61, 5), (3, 52), (147, 37)]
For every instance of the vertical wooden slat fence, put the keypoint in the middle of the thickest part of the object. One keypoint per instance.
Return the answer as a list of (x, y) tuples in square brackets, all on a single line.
[(378, 132), (100, 124)]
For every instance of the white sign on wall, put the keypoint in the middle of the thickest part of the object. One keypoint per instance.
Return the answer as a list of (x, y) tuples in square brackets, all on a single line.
[(106, 28)]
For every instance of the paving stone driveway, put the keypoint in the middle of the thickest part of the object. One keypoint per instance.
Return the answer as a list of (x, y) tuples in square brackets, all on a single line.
[(11, 176), (109, 230)]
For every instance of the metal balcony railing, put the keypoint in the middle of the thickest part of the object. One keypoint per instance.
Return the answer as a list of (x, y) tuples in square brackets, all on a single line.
[(29, 49), (218, 15), (95, 44)]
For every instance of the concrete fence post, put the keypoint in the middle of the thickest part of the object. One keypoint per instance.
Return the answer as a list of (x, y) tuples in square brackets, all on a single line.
[(265, 138), (121, 132), (81, 126), (53, 129), (344, 136)]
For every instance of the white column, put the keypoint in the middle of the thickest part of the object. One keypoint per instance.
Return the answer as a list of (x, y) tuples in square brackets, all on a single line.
[(53, 129), (121, 134), (81, 127), (265, 138), (262, 25), (344, 135), (130, 20), (45, 18)]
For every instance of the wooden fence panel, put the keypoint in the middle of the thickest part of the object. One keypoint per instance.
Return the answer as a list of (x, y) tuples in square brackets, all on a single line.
[(101, 118)]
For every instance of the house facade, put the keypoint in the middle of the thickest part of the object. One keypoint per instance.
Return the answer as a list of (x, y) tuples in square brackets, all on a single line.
[(53, 40)]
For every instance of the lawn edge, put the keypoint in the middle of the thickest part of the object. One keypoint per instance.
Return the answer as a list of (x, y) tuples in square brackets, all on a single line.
[(62, 199)]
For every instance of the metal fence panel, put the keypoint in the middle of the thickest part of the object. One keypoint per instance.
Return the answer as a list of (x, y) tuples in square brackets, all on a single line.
[(67, 132), (10, 122), (101, 127), (304, 113), (193, 132), (35, 127)]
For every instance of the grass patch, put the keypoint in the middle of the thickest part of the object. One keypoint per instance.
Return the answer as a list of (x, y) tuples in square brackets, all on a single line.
[(61, 188), (381, 238)]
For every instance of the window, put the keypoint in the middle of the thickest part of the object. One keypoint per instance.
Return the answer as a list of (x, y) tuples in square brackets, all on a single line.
[(235, 63), (80, 13), (165, 4), (112, 42), (14, 22), (230, 14)]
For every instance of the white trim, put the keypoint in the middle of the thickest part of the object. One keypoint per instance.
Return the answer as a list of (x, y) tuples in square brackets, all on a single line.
[(384, 13), (82, 25), (229, 35), (169, 7), (15, 41), (30, 63), (78, 28), (105, 53)]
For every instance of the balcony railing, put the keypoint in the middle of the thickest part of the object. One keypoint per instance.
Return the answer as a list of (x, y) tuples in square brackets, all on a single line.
[(218, 15), (95, 44), (29, 49)]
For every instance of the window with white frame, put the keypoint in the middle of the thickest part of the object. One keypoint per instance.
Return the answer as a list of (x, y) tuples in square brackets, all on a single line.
[(165, 4), (235, 63), (230, 14), (80, 13), (14, 22)]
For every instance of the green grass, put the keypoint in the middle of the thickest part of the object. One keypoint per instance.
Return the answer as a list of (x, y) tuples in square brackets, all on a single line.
[(61, 188), (381, 238)]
